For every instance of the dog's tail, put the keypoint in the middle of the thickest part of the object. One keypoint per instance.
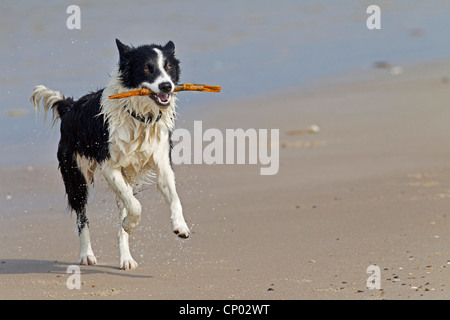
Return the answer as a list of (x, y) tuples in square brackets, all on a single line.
[(50, 99)]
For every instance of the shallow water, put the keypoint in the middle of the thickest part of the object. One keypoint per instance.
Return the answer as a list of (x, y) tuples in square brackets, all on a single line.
[(248, 47)]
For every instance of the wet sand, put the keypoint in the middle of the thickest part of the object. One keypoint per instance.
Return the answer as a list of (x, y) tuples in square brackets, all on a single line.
[(371, 187)]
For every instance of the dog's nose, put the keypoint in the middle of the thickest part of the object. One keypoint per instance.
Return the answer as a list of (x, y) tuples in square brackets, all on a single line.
[(165, 87)]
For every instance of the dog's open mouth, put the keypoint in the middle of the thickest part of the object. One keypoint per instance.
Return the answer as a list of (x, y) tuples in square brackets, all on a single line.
[(161, 99)]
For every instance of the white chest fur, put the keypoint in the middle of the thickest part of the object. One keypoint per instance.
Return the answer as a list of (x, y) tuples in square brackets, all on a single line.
[(136, 147)]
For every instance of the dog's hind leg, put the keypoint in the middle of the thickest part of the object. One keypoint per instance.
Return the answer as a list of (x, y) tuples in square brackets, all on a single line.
[(87, 256), (77, 192), (126, 261)]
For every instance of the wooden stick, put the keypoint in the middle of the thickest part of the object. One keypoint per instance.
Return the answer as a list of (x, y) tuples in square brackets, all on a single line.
[(181, 87)]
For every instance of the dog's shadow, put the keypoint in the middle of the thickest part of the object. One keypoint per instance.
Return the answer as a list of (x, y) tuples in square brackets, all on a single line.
[(26, 266)]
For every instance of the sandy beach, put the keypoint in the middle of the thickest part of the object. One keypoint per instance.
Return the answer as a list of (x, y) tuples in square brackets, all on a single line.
[(372, 187)]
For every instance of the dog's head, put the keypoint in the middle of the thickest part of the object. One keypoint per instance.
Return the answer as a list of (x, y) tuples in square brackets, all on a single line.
[(150, 66)]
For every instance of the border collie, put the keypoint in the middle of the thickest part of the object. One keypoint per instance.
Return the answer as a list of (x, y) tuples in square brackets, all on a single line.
[(128, 140)]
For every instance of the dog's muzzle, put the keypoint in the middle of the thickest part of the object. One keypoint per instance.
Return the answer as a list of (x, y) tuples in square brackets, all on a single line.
[(162, 98)]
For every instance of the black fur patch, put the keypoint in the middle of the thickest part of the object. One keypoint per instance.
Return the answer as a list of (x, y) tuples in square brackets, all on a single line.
[(83, 132)]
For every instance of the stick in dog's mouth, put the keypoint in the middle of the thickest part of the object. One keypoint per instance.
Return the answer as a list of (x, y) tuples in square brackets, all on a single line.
[(160, 98)]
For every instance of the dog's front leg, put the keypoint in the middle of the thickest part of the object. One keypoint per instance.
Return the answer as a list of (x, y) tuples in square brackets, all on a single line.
[(126, 261), (166, 184), (124, 192)]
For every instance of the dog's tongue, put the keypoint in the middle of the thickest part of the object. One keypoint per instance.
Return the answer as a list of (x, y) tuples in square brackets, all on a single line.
[(163, 96)]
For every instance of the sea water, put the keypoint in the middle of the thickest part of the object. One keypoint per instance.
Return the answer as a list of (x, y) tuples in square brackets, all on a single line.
[(248, 47)]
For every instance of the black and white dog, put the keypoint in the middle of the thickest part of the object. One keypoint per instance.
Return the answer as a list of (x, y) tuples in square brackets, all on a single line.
[(127, 139)]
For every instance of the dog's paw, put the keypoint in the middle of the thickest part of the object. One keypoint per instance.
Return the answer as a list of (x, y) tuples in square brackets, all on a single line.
[(128, 264), (130, 223), (181, 229), (87, 260)]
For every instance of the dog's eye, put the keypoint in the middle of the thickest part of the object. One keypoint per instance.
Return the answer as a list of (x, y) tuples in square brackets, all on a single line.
[(168, 67), (149, 69)]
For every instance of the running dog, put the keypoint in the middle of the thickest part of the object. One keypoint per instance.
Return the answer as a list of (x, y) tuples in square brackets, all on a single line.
[(127, 140)]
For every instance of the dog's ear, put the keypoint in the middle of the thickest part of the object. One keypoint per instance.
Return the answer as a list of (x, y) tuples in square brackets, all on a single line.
[(123, 49), (170, 47)]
